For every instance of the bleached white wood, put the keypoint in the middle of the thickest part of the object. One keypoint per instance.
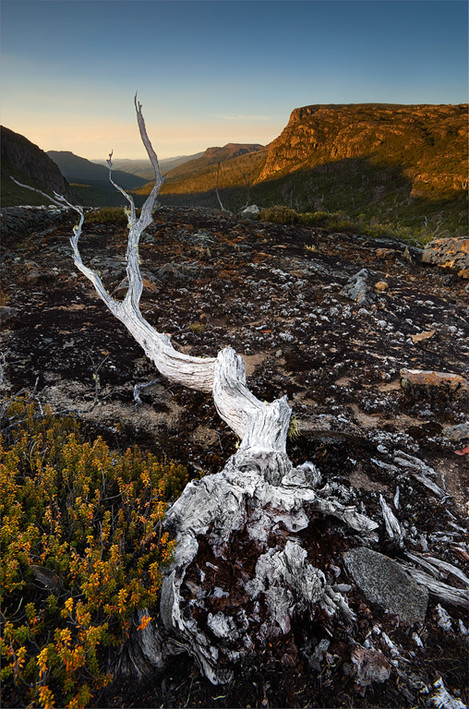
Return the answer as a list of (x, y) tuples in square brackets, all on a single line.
[(261, 427), (257, 492)]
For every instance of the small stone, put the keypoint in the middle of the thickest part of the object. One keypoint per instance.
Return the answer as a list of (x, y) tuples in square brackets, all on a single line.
[(7, 314), (357, 288), (385, 582), (422, 336), (430, 378), (457, 432), (381, 285), (370, 666), (385, 253)]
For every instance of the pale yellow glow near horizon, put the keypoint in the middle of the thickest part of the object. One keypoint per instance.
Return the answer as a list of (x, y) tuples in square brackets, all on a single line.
[(95, 138)]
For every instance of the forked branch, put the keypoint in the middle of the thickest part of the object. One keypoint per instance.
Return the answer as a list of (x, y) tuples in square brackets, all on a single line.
[(261, 427)]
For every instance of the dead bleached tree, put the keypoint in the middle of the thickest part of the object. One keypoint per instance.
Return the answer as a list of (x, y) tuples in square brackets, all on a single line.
[(258, 490), (251, 515), (217, 192)]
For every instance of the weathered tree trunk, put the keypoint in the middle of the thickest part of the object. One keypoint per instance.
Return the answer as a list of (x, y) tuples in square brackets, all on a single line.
[(251, 550)]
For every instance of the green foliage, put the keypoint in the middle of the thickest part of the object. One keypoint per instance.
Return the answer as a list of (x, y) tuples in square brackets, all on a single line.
[(294, 429), (12, 195), (340, 222), (279, 214), (107, 215), (197, 328), (82, 548)]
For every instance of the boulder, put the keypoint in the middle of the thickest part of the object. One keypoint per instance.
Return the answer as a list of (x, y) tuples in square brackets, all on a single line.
[(357, 288), (250, 211), (452, 253), (384, 581), (429, 378)]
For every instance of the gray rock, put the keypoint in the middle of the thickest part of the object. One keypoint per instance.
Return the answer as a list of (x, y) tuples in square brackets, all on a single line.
[(250, 211), (7, 314), (357, 288), (457, 432), (370, 666), (19, 221), (384, 581)]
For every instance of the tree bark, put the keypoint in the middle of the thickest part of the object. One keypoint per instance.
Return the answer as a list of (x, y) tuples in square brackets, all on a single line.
[(244, 569)]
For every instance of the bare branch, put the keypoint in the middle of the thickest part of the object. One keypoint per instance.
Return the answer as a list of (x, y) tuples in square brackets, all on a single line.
[(57, 199), (128, 197), (262, 427), (145, 217), (216, 190)]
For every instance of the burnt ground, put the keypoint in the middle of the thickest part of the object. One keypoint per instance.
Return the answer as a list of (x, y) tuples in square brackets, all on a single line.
[(273, 293)]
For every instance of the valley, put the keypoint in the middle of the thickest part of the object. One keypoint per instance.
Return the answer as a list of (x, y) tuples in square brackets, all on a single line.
[(398, 169)]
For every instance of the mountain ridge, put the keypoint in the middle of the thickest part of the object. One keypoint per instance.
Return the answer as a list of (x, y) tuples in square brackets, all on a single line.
[(393, 164), (413, 136), (398, 165), (76, 169), (29, 164), (143, 168)]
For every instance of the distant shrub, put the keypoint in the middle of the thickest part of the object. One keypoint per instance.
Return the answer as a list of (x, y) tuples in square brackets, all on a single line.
[(82, 548), (104, 215), (279, 215), (315, 218)]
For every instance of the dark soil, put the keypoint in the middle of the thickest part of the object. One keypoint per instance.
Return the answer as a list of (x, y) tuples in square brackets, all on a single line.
[(274, 294)]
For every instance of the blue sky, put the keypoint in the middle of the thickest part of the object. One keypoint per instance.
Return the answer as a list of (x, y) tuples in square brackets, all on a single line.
[(210, 72)]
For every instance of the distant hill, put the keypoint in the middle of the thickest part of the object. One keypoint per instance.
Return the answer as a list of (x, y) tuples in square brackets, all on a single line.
[(383, 162), (143, 168), (91, 181), (199, 174), (212, 157), (30, 165)]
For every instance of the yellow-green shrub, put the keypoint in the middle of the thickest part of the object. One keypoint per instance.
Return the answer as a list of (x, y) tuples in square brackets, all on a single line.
[(82, 548), (103, 215), (279, 214)]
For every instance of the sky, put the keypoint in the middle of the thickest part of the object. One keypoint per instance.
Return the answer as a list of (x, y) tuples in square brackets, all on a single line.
[(209, 72)]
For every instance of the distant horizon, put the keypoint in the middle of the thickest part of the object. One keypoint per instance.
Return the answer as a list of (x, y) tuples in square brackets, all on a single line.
[(144, 157), (210, 72)]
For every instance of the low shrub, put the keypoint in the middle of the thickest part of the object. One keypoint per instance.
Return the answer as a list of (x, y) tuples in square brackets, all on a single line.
[(82, 549), (340, 222), (279, 214), (107, 215)]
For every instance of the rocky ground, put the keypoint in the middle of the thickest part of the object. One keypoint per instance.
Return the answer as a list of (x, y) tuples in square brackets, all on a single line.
[(371, 347)]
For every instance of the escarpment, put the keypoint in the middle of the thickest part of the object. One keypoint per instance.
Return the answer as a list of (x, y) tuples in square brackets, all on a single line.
[(28, 163), (429, 143)]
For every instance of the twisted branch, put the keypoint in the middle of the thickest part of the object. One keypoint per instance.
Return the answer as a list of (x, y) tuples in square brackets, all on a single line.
[(261, 427)]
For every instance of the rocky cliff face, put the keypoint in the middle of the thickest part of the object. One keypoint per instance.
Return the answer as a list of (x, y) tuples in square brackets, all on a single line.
[(30, 165), (428, 142), (231, 150)]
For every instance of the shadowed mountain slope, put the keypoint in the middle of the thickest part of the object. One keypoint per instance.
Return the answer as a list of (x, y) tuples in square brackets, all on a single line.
[(405, 166), (91, 181), (27, 163)]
